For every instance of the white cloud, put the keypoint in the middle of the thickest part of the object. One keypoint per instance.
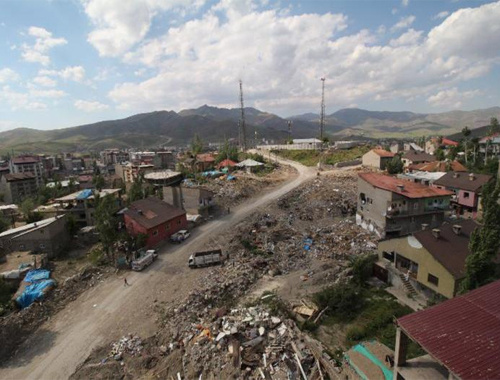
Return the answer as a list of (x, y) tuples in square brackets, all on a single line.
[(403, 23), (89, 106), (73, 73), (405, 3), (38, 52), (281, 58), (411, 37), (8, 75), (121, 24), (441, 15), (451, 98), (6, 125), (37, 93), (20, 101), (394, 11), (45, 81)]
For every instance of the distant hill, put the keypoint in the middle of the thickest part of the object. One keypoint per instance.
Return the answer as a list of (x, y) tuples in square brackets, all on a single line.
[(214, 124)]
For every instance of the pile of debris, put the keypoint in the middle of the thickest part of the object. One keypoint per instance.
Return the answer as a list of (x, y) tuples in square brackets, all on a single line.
[(17, 326), (131, 345), (248, 342)]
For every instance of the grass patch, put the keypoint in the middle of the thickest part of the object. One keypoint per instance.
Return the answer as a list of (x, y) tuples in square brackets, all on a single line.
[(312, 157)]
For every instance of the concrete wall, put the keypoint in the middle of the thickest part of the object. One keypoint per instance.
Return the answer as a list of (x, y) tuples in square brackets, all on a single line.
[(52, 240), (371, 159), (426, 264)]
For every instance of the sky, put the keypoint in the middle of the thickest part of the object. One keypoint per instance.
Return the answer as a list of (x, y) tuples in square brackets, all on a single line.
[(70, 62)]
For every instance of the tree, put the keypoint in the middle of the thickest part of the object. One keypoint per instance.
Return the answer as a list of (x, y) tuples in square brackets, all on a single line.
[(4, 224), (466, 133), (136, 191), (99, 182), (439, 153), (494, 126), (106, 224), (71, 224), (227, 152), (196, 145), (395, 166), (484, 243), (27, 209)]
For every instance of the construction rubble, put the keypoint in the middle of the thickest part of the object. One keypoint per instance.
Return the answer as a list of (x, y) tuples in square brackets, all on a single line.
[(213, 334)]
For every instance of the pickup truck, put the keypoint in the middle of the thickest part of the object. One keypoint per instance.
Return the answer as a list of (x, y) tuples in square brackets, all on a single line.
[(205, 258), (144, 260), (180, 236)]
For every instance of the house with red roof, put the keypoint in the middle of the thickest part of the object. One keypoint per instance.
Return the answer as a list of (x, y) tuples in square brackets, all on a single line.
[(204, 161), (154, 218), (391, 207), (434, 143), (438, 166), (377, 158), (461, 338), (227, 163)]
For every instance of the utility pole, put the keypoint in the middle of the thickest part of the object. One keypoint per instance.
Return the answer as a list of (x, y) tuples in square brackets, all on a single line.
[(289, 130), (243, 135), (322, 114)]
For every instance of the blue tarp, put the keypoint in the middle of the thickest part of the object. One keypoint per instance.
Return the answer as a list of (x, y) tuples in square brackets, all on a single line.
[(37, 275), (308, 243), (84, 194), (34, 292), (212, 173), (230, 177)]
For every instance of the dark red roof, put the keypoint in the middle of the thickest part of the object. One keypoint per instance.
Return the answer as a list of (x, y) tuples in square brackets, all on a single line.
[(450, 249), (463, 181), (19, 176), (205, 157), (226, 163), (25, 160), (439, 166), (410, 190), (415, 156), (152, 212), (463, 333), (449, 142), (383, 153)]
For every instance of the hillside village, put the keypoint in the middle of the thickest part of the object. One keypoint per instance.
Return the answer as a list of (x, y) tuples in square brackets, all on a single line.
[(340, 276)]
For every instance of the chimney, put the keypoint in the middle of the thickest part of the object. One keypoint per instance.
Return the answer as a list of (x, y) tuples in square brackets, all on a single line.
[(455, 175), (436, 232), (401, 187), (457, 228), (472, 177), (424, 226)]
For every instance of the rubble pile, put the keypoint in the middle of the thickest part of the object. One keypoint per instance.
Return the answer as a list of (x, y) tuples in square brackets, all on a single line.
[(324, 197), (16, 327), (131, 345), (249, 343)]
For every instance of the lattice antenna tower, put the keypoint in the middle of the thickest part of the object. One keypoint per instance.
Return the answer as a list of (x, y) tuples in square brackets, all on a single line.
[(322, 114), (243, 132)]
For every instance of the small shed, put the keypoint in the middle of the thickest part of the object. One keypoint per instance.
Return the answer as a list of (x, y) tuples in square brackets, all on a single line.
[(250, 165)]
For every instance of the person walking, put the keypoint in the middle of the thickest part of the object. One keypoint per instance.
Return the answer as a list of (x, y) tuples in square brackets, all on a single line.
[(125, 282)]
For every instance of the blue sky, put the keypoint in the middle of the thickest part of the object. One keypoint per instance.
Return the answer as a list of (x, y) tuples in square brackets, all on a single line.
[(65, 63)]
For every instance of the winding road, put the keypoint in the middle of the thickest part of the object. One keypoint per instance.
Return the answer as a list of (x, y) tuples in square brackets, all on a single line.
[(108, 311)]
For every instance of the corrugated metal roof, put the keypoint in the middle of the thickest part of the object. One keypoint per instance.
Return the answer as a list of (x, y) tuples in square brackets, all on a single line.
[(463, 333), (409, 190)]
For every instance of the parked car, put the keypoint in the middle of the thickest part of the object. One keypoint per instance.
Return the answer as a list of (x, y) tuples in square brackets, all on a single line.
[(180, 236)]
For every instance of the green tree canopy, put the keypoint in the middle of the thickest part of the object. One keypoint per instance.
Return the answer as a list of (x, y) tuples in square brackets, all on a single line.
[(395, 166), (106, 224)]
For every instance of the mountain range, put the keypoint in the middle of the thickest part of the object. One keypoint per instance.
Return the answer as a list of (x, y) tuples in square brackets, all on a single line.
[(214, 124)]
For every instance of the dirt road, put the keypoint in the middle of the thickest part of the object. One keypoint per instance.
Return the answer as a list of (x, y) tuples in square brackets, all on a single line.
[(111, 310)]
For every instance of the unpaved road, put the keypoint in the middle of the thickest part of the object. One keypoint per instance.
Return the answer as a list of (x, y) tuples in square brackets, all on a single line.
[(110, 310)]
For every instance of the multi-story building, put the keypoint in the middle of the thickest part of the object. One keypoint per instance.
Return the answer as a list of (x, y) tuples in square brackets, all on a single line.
[(28, 164), (16, 187), (466, 189), (392, 207), (165, 160), (113, 156)]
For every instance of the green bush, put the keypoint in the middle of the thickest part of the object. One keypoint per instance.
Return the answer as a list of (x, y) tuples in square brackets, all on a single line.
[(96, 256), (344, 301), (362, 268)]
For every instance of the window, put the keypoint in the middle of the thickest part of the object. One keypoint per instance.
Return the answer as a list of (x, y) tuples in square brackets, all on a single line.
[(433, 279), (466, 194), (415, 206), (179, 221), (42, 246), (155, 232), (167, 226), (388, 256), (22, 247)]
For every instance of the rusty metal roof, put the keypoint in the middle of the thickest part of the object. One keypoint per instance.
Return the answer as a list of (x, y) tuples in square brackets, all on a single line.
[(463, 333), (383, 153), (409, 190)]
